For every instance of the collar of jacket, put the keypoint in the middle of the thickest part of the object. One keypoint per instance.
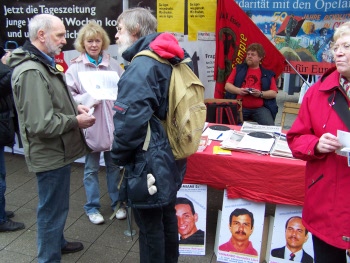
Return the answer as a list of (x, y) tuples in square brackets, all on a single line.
[(37, 55), (330, 80), (34, 51), (140, 44)]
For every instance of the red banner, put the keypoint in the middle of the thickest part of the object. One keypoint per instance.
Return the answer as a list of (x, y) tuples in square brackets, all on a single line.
[(235, 31)]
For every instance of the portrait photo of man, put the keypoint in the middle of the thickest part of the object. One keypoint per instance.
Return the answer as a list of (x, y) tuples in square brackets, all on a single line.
[(241, 226), (296, 235), (186, 222)]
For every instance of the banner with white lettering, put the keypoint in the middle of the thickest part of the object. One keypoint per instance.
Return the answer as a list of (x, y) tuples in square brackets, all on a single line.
[(15, 16)]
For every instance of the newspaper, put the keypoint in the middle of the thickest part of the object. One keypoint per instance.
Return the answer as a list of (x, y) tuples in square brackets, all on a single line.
[(252, 127), (245, 142)]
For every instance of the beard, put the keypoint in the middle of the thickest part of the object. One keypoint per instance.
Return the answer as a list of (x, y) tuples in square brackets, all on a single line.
[(52, 50), (123, 42)]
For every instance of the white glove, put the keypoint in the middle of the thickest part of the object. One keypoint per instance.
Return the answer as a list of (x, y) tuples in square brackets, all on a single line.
[(152, 189)]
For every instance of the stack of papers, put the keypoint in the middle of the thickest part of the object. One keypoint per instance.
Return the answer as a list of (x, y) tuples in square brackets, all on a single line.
[(256, 142), (232, 141), (281, 147)]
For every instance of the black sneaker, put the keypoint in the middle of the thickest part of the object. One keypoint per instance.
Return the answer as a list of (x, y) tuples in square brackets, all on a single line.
[(10, 214), (72, 247), (10, 225)]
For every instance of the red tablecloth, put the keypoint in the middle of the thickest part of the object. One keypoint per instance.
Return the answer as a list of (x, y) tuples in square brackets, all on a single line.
[(251, 176)]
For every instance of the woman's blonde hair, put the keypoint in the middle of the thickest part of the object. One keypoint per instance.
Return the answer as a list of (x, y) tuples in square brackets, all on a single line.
[(341, 30), (91, 30)]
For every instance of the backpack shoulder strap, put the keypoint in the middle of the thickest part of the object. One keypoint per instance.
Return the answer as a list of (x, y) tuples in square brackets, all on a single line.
[(153, 55)]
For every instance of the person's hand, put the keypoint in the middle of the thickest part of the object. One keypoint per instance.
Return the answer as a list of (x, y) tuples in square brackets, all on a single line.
[(5, 57), (244, 91), (85, 121), (251, 91), (83, 109), (328, 143)]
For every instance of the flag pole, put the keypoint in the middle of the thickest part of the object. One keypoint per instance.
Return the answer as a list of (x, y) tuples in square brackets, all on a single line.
[(307, 83)]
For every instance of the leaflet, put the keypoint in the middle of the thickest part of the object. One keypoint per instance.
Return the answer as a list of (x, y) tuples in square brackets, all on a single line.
[(101, 85)]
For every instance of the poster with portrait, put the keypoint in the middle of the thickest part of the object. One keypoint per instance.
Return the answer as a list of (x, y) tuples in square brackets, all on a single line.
[(191, 213), (290, 240), (241, 231)]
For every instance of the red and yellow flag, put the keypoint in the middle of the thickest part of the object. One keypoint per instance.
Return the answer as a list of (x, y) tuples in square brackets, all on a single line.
[(235, 31)]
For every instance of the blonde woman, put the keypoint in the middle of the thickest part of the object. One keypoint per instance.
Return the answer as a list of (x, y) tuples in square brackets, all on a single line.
[(92, 42)]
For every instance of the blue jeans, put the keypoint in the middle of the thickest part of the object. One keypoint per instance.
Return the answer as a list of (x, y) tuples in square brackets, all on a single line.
[(158, 237), (3, 217), (260, 115), (53, 188), (91, 182)]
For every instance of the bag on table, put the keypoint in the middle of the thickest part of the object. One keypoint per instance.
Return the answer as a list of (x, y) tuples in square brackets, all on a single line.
[(224, 111)]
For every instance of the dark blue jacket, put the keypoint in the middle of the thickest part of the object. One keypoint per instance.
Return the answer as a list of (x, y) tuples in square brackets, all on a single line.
[(142, 98)]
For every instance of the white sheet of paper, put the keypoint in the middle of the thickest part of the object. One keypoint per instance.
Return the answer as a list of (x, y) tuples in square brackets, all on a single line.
[(217, 135), (344, 138), (101, 85)]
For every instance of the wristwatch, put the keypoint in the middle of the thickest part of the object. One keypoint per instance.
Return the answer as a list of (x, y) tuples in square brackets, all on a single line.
[(261, 94)]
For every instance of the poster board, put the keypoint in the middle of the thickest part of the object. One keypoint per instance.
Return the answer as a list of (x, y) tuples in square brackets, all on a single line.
[(280, 236), (252, 253), (192, 195)]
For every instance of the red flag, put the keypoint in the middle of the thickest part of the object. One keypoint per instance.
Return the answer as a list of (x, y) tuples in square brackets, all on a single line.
[(235, 31)]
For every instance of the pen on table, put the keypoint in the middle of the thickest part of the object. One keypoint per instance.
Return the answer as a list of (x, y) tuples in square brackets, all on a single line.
[(280, 134), (219, 136)]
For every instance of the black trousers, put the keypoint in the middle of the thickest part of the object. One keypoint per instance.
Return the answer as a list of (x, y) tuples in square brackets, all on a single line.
[(158, 234), (325, 253)]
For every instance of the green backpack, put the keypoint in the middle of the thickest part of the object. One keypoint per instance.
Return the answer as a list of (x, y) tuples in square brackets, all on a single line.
[(186, 112)]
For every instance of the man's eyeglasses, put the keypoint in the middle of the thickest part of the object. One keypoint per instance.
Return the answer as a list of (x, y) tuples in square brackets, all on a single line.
[(345, 47)]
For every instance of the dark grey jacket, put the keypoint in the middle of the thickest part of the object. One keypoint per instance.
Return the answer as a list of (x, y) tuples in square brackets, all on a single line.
[(46, 110)]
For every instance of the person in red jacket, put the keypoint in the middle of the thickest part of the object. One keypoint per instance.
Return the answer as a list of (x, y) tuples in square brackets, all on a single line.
[(313, 137)]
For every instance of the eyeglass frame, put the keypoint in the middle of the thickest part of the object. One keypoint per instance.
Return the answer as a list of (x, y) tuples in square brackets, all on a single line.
[(345, 47)]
